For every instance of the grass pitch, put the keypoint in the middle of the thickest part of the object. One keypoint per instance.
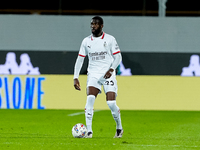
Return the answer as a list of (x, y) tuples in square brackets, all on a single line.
[(51, 129)]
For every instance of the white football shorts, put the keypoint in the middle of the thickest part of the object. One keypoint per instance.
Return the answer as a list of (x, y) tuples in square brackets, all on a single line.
[(109, 85)]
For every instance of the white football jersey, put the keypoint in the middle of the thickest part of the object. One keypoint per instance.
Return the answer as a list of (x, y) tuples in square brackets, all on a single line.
[(100, 51)]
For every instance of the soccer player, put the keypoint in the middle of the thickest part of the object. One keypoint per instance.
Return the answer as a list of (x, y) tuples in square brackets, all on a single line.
[(104, 57)]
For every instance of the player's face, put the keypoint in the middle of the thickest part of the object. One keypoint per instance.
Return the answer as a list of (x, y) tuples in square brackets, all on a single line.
[(96, 27)]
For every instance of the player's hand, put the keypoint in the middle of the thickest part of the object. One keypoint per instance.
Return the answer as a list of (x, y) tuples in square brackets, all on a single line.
[(77, 84), (108, 73)]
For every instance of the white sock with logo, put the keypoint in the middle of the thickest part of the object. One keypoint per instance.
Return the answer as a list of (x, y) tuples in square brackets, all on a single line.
[(89, 111), (115, 112)]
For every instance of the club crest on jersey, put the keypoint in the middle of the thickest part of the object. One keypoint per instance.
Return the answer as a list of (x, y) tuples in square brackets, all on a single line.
[(105, 44)]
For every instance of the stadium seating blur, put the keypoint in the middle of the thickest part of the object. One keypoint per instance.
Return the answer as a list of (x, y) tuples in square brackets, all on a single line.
[(130, 8)]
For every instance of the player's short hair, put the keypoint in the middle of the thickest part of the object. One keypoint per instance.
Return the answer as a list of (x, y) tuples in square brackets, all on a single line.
[(98, 18)]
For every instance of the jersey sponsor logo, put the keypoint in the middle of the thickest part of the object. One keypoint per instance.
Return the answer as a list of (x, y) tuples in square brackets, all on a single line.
[(98, 55), (98, 58)]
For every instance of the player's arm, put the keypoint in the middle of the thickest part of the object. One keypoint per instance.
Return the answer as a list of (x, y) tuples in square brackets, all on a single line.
[(78, 65), (116, 62), (77, 69), (117, 58)]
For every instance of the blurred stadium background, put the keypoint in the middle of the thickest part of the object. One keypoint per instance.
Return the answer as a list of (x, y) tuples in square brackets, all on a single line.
[(159, 41)]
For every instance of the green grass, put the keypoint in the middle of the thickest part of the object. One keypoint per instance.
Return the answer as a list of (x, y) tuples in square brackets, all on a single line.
[(51, 129)]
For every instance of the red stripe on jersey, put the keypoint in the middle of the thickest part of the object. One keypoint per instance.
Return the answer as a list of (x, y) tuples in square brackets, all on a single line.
[(116, 52), (81, 55), (103, 35)]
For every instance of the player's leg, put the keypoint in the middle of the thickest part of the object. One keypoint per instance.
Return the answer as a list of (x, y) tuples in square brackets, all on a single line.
[(111, 101), (91, 95), (110, 88)]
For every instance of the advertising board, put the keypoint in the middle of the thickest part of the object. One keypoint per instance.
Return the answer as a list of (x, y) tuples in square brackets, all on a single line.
[(134, 93), (58, 62)]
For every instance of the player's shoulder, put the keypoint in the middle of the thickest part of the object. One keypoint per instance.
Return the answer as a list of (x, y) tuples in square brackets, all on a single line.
[(109, 36), (88, 37), (86, 40)]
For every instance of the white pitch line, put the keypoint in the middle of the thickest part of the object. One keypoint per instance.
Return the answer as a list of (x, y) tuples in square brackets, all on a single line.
[(80, 113), (167, 146)]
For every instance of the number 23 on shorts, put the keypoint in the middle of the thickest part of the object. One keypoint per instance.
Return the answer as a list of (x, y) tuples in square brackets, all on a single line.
[(111, 82)]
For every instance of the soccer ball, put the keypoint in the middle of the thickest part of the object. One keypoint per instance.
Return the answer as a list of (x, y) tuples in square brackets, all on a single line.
[(79, 130)]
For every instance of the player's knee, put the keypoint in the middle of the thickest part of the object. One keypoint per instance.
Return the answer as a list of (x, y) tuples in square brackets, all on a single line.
[(110, 96), (92, 91), (90, 101)]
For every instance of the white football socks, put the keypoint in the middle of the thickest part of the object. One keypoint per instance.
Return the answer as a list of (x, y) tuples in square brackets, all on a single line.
[(115, 112), (89, 111)]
